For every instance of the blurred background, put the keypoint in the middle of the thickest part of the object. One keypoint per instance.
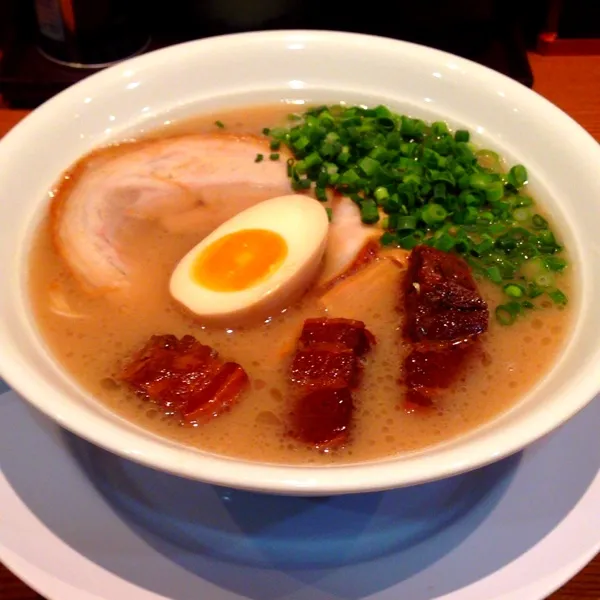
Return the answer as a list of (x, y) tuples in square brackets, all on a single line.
[(46, 45)]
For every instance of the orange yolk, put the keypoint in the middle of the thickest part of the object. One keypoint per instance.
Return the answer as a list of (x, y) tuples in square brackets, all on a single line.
[(239, 260)]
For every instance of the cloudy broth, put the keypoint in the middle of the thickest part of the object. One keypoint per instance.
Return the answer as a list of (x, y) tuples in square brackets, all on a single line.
[(96, 336)]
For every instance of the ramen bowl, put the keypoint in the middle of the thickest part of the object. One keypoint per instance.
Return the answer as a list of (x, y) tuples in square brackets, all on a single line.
[(316, 67)]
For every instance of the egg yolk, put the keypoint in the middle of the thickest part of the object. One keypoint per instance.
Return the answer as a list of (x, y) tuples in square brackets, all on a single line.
[(239, 260)]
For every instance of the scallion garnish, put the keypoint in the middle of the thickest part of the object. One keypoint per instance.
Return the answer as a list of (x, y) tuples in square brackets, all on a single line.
[(424, 184), (504, 315), (369, 212), (514, 290), (558, 297), (462, 135), (433, 214), (538, 222)]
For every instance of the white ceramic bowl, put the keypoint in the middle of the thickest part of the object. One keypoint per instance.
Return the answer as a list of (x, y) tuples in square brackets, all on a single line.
[(563, 161)]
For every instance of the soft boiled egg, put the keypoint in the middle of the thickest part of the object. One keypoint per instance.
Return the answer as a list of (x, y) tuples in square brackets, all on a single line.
[(256, 264)]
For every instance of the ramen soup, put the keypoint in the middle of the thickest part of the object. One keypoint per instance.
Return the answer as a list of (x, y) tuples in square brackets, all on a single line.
[(335, 286)]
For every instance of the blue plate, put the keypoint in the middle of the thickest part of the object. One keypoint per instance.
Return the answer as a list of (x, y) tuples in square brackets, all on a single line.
[(530, 520), (286, 532)]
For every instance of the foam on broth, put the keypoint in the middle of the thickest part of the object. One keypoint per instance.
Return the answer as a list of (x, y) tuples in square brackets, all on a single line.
[(97, 336)]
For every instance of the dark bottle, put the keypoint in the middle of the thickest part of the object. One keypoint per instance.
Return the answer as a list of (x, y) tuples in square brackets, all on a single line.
[(90, 33)]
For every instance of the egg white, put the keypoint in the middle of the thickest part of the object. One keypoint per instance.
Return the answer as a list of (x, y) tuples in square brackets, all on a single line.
[(301, 221)]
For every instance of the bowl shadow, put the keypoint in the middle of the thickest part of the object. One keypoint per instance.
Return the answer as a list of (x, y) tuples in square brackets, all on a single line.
[(283, 532), (268, 547)]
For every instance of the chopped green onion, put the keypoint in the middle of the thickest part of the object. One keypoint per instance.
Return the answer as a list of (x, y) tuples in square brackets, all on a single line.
[(391, 205), (301, 184), (484, 246), (312, 160), (299, 144), (220, 124), (259, 158), (381, 194), (514, 290), (344, 156), (445, 242), (504, 315), (412, 178), (329, 212), (538, 222), (488, 160), (461, 135), (520, 201), (434, 213), (485, 217), (554, 263), (521, 214), (385, 123), (480, 180), (517, 176), (534, 290), (439, 128), (410, 241), (412, 128), (433, 187), (546, 238), (496, 229), (369, 212), (439, 191), (494, 191), (321, 194), (279, 133), (544, 280), (407, 223), (387, 239), (558, 297), (494, 274), (349, 177), (369, 166)]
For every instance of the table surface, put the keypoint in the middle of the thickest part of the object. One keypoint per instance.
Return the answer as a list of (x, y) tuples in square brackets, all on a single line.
[(572, 83)]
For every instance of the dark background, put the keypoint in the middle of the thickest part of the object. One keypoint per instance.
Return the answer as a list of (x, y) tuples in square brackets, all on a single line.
[(494, 32), (417, 20), (431, 21)]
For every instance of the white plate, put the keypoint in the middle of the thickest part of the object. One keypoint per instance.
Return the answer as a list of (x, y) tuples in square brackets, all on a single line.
[(514, 531)]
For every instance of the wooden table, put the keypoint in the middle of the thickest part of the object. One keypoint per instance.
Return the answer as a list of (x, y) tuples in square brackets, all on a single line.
[(573, 83)]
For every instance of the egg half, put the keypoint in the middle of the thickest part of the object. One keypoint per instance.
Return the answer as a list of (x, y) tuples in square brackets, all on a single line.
[(256, 264)]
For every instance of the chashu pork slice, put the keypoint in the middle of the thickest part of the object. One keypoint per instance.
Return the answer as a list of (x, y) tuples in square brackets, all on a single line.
[(189, 183), (350, 245)]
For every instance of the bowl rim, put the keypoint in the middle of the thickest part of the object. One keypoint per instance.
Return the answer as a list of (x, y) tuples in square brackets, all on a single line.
[(275, 478)]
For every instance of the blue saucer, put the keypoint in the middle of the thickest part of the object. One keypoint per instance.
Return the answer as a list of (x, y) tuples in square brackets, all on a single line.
[(263, 530)]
